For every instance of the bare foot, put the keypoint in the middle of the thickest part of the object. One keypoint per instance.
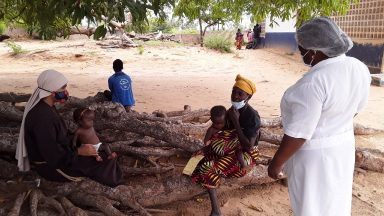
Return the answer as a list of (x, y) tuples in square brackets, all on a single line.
[(112, 156)]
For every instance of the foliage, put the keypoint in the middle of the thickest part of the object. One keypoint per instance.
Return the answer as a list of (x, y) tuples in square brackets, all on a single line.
[(219, 11), (16, 48), (219, 41), (49, 17), (184, 31), (3, 27)]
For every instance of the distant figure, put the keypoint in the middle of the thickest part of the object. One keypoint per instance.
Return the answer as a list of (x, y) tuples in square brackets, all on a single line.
[(250, 39), (256, 35), (239, 39), (120, 86), (85, 133)]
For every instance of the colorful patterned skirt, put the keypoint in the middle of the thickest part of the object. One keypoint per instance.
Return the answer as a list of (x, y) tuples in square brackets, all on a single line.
[(220, 160)]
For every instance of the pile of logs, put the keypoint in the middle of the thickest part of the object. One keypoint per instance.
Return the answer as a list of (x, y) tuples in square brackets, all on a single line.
[(152, 149), (124, 40)]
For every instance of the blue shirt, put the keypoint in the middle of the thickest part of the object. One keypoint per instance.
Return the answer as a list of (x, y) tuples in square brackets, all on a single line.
[(120, 85)]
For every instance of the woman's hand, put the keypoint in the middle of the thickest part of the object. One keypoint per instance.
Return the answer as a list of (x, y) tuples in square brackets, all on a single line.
[(274, 171), (233, 115), (87, 150)]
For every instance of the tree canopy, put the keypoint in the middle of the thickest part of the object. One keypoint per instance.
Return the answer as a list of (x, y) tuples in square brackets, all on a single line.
[(49, 17)]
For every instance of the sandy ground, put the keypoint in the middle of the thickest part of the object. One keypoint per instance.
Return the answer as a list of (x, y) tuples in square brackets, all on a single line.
[(167, 77)]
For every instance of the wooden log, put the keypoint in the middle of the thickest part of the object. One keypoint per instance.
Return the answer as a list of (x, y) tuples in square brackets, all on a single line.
[(370, 159), (71, 209), (274, 122), (8, 142), (146, 170), (145, 151), (10, 112), (37, 196), (97, 201), (362, 130), (13, 97), (270, 137), (15, 211), (8, 170), (157, 130)]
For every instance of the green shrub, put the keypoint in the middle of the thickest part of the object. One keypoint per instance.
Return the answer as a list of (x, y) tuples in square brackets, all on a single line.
[(184, 31), (140, 48), (16, 48), (220, 41), (3, 27)]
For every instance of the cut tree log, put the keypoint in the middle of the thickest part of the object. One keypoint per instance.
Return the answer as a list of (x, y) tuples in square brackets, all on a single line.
[(71, 209), (370, 159), (10, 112), (82, 198), (362, 130), (37, 196), (13, 97), (15, 211)]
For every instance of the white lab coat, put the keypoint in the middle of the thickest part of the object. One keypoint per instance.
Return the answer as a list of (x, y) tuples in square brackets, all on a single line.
[(320, 108)]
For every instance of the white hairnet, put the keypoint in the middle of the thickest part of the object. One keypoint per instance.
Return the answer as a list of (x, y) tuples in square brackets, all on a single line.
[(323, 34)]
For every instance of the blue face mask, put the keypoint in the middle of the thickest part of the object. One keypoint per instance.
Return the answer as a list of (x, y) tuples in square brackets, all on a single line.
[(61, 95), (238, 105)]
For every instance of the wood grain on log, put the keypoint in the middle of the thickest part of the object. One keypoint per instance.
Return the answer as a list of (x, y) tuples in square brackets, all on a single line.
[(10, 112), (15, 211), (13, 97)]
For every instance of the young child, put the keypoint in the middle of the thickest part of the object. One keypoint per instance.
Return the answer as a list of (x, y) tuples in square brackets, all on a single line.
[(218, 118), (86, 134)]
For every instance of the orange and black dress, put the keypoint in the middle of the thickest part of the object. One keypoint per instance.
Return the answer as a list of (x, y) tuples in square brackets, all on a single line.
[(219, 156)]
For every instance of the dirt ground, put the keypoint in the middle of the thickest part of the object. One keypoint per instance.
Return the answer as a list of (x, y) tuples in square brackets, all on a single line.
[(168, 76)]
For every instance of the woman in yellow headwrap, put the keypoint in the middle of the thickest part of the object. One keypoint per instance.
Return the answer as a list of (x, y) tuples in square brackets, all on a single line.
[(242, 131)]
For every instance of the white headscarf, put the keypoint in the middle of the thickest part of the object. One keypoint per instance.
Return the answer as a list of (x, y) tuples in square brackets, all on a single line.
[(47, 82)]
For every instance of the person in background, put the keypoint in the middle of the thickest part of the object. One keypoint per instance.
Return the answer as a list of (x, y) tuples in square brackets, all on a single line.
[(120, 86), (250, 39), (317, 152), (239, 39), (256, 35)]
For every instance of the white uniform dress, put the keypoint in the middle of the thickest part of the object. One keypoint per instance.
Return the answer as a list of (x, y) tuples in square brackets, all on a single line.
[(320, 108)]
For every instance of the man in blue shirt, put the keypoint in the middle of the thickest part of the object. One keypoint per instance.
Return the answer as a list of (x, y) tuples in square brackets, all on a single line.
[(120, 85)]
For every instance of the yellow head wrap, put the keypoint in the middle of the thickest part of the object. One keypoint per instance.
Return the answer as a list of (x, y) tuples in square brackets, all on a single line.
[(245, 84)]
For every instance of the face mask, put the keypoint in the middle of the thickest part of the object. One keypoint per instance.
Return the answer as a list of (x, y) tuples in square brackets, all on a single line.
[(61, 96), (310, 64), (238, 105)]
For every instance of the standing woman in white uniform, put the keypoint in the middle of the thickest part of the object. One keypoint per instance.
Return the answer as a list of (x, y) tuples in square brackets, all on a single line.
[(317, 152)]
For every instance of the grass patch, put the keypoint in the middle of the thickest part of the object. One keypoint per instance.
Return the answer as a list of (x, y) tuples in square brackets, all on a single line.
[(3, 27), (157, 43), (140, 49), (222, 42), (15, 48)]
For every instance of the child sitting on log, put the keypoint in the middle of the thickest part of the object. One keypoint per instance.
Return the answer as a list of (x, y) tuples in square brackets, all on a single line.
[(218, 118), (86, 134)]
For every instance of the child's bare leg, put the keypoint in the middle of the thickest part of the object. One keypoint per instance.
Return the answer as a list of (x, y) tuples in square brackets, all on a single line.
[(214, 202)]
